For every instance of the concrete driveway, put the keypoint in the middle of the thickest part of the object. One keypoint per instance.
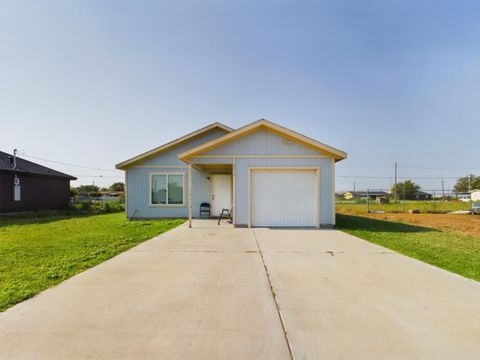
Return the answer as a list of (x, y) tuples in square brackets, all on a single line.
[(208, 293)]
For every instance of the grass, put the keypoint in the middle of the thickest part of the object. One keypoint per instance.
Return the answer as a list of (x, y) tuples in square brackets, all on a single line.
[(37, 253), (360, 206), (451, 251)]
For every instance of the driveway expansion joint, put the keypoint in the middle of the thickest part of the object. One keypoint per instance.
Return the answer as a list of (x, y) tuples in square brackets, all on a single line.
[(275, 300)]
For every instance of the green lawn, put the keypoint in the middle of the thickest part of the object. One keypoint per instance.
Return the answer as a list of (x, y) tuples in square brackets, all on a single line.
[(457, 253), (36, 253)]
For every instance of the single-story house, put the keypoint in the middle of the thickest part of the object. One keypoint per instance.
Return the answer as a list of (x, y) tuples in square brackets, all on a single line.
[(475, 195), (27, 186), (421, 195), (372, 194), (265, 173)]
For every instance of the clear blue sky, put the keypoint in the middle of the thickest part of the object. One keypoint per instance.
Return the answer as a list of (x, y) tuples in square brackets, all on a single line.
[(95, 82)]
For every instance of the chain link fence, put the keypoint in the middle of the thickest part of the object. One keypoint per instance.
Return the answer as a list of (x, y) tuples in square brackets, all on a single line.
[(425, 201)]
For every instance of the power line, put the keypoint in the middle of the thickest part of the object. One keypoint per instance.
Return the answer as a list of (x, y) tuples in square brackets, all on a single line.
[(364, 177), (101, 176), (400, 177), (67, 164), (439, 169)]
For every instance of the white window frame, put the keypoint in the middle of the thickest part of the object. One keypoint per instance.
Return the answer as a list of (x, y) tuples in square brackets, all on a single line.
[(150, 177)]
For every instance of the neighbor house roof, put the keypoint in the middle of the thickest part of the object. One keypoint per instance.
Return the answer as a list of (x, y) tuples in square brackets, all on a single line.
[(28, 167), (165, 147), (268, 125), (420, 192), (364, 193)]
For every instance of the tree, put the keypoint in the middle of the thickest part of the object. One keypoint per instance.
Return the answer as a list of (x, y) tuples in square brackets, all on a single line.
[(73, 191), (88, 189), (462, 185), (410, 189), (118, 186)]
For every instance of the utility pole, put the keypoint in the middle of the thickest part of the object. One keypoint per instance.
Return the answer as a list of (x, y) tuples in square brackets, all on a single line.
[(395, 188), (443, 190), (368, 202), (470, 189), (15, 151), (354, 186), (13, 159)]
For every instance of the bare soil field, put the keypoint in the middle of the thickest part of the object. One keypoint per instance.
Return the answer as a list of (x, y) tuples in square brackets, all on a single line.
[(464, 224)]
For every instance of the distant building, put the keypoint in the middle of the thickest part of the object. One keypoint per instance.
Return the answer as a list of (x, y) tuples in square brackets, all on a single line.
[(27, 186), (475, 195), (372, 194), (462, 196), (422, 195)]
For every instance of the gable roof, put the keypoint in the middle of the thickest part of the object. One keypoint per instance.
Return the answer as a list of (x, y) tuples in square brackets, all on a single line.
[(28, 167), (263, 124), (165, 147)]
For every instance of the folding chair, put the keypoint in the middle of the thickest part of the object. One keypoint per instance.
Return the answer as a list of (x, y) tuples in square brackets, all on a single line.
[(227, 213)]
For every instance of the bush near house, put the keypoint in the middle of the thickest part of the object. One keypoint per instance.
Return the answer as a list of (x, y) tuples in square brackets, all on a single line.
[(97, 207)]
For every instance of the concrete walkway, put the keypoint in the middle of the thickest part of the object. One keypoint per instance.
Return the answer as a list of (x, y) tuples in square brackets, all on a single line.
[(203, 293)]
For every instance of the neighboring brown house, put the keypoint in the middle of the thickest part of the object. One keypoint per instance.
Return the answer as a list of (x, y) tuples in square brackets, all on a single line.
[(26, 186)]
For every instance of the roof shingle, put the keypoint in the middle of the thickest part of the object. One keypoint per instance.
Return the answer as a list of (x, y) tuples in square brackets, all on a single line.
[(28, 167)]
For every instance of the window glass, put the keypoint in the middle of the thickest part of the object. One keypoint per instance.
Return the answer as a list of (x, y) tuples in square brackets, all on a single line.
[(175, 189), (159, 189)]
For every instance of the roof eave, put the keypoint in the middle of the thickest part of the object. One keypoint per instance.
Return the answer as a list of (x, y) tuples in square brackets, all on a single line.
[(20, 171), (158, 150), (338, 155)]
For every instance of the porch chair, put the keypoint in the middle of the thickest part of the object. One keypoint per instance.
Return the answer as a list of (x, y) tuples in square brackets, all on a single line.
[(205, 209), (227, 213)]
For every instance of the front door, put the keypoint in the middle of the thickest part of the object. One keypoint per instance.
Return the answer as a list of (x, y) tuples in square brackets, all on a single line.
[(220, 193)]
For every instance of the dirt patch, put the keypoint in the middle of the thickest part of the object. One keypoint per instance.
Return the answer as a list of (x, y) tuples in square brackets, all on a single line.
[(463, 224)]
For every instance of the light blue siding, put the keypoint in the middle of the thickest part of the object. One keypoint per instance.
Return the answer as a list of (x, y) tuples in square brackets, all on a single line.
[(262, 142), (170, 157), (138, 182), (222, 160), (326, 185), (138, 194)]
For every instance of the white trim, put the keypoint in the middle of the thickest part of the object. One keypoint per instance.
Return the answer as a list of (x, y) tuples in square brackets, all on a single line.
[(183, 204), (125, 195), (127, 163), (262, 124), (260, 156), (190, 195), (160, 166), (234, 195), (249, 198), (283, 168), (333, 193)]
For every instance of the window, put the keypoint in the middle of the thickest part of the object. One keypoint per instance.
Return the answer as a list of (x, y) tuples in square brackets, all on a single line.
[(167, 189)]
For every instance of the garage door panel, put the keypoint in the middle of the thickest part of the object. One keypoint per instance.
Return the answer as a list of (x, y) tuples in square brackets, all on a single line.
[(284, 198)]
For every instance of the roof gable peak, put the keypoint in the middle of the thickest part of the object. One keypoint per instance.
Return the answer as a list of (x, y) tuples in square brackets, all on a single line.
[(271, 126)]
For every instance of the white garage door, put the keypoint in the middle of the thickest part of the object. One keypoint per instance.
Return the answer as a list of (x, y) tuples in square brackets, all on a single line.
[(284, 198)]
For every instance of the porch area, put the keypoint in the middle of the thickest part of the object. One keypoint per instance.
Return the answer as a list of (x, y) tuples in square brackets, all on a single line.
[(211, 224), (220, 198)]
